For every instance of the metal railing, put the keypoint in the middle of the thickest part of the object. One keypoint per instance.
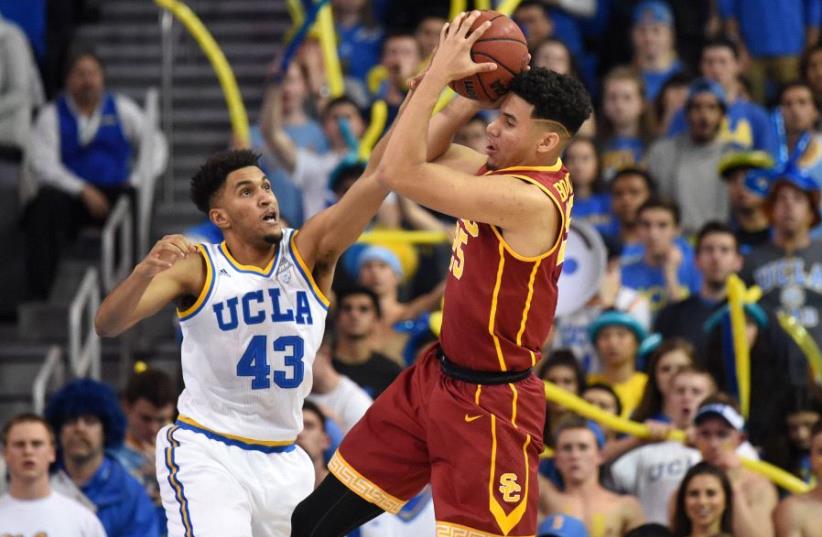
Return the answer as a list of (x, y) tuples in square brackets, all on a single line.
[(84, 345), (116, 266), (52, 369), (149, 146), (167, 37)]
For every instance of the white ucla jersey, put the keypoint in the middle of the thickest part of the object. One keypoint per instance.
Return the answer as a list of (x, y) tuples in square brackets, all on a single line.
[(249, 342)]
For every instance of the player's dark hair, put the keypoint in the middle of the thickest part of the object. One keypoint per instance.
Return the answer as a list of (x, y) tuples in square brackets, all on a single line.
[(655, 202), (560, 98), (715, 227), (607, 388), (153, 385), (564, 358), (212, 175), (313, 407), (27, 417), (358, 290), (682, 524), (722, 41), (649, 180), (793, 85)]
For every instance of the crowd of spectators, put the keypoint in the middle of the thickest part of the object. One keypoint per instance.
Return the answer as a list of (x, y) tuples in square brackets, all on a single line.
[(702, 160)]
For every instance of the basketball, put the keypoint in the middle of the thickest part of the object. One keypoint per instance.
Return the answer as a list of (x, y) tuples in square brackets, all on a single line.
[(503, 44)]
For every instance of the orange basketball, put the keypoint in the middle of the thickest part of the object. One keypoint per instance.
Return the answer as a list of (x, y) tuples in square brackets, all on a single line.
[(503, 44)]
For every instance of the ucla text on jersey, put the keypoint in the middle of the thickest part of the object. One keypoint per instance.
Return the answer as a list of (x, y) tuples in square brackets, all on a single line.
[(249, 341)]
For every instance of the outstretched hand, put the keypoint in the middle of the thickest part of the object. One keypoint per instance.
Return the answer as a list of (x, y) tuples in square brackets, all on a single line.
[(452, 58), (165, 253)]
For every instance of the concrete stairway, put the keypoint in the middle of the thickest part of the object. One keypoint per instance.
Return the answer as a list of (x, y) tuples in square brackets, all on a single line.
[(248, 31)]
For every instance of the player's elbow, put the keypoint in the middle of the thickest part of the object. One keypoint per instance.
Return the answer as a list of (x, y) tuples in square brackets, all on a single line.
[(103, 326)]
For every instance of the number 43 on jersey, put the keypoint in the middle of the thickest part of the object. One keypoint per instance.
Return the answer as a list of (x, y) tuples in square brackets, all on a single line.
[(254, 362)]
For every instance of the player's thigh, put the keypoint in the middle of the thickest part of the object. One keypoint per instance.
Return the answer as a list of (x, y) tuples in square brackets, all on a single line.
[(200, 496), (278, 483), (485, 459), (384, 457)]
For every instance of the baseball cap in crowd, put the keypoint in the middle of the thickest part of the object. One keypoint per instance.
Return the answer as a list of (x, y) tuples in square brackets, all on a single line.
[(705, 85), (720, 410), (617, 318), (562, 526), (380, 253), (653, 12), (749, 160)]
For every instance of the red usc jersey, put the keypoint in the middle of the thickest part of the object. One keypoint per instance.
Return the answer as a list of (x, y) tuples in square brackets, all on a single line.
[(499, 305)]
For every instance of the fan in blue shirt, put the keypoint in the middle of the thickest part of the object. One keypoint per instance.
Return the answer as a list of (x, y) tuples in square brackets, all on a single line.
[(652, 35), (663, 273), (590, 205)]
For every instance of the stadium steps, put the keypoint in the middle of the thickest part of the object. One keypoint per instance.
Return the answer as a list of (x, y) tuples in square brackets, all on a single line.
[(249, 32), (20, 361)]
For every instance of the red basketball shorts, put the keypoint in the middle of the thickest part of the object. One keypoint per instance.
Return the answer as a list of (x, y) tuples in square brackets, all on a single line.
[(478, 446)]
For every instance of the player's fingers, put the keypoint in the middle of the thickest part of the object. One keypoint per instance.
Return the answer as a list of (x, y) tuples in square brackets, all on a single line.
[(185, 244), (468, 22), (486, 67), (169, 252), (177, 246), (158, 263), (456, 24), (476, 34), (444, 32)]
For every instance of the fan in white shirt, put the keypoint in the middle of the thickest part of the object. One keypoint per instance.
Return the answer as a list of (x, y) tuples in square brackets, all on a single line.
[(31, 508)]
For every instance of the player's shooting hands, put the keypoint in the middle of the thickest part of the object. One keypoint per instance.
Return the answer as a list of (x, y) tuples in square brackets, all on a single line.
[(452, 58), (165, 253)]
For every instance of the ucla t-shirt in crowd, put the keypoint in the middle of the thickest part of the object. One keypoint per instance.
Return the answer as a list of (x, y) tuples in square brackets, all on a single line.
[(650, 281)]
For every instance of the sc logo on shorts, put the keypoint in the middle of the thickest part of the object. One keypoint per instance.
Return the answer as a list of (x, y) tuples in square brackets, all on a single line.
[(509, 488)]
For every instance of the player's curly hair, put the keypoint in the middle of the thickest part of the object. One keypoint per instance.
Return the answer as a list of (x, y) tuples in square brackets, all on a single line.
[(86, 397), (561, 98), (212, 175)]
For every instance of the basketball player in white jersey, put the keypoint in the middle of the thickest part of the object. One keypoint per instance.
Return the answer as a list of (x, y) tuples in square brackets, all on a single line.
[(252, 312)]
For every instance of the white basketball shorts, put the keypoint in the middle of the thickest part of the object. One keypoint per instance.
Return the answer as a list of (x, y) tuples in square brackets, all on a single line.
[(213, 486)]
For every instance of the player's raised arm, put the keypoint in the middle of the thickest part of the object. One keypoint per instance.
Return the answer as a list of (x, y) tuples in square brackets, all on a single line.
[(172, 269), (325, 237), (516, 138)]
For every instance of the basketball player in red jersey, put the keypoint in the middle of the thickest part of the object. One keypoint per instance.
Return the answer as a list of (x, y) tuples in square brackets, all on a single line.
[(468, 416)]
